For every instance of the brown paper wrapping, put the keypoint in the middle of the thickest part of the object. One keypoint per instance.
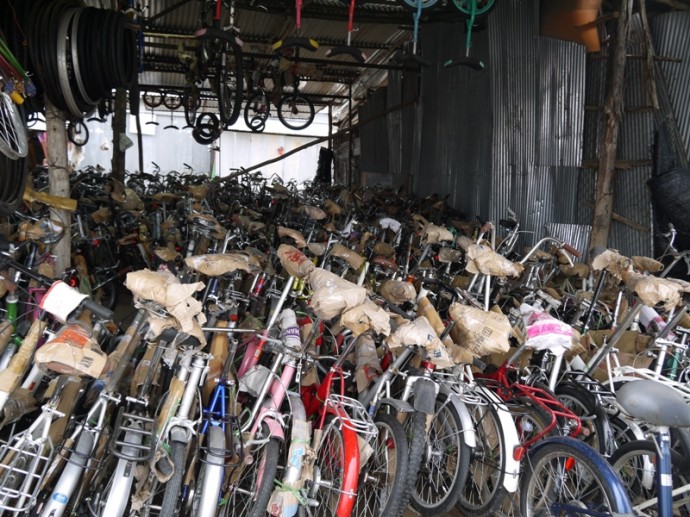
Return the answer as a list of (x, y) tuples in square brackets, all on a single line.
[(294, 261), (219, 351), (219, 264), (398, 291), (653, 290), (166, 254), (198, 192), (314, 212), (101, 215), (333, 295), (64, 203), (6, 330), (142, 370), (646, 264), (172, 400), (353, 258), (317, 248), (332, 207), (367, 361), (613, 262), (11, 377), (434, 234), (296, 236), (482, 259), (578, 270), (447, 255), (420, 333), (384, 249), (367, 316), (72, 352), (481, 332)]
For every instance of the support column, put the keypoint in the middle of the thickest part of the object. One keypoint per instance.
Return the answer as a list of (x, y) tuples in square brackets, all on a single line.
[(119, 128), (613, 110), (58, 178)]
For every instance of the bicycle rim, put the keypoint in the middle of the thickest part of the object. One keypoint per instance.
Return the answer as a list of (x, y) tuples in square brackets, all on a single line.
[(328, 470), (14, 142), (229, 85), (296, 111)]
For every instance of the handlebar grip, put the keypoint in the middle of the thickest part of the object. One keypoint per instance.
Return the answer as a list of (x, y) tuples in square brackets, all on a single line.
[(97, 309), (485, 227), (571, 250), (479, 363)]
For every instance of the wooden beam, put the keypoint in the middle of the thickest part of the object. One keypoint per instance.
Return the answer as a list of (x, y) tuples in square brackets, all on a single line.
[(58, 179), (613, 109), (650, 68)]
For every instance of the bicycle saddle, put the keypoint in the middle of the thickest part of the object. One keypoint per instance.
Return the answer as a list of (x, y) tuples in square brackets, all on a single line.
[(385, 263), (474, 64), (296, 42), (348, 50), (655, 403)]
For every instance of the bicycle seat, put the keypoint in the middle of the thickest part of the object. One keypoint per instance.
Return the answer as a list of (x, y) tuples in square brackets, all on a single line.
[(474, 64), (348, 50), (508, 224), (296, 42), (385, 263), (655, 403), (410, 59)]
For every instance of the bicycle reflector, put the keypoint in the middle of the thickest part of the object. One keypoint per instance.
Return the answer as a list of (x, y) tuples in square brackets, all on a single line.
[(519, 453)]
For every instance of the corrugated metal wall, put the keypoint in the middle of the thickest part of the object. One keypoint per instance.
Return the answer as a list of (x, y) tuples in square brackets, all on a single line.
[(671, 34)]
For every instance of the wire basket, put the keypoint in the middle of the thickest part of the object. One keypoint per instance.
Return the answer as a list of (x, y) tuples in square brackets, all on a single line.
[(353, 415)]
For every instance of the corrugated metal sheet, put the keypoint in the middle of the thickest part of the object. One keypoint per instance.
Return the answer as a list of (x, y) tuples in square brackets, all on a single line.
[(538, 97), (671, 34)]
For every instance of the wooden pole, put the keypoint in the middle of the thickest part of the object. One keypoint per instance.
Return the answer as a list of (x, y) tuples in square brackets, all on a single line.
[(613, 109), (330, 126), (649, 61), (58, 179), (119, 128)]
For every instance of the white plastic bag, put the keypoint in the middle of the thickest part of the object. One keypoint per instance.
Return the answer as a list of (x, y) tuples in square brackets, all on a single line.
[(544, 332)]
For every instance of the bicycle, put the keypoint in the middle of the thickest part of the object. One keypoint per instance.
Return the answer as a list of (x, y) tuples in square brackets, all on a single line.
[(219, 58)]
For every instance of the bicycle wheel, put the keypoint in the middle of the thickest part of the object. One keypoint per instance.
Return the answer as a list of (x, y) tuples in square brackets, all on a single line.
[(251, 485), (564, 476), (635, 464), (14, 142), (229, 84), (446, 463), (171, 498), (191, 103), (582, 402), (256, 112), (77, 133), (382, 479), (329, 465), (295, 111), (210, 478), (484, 490)]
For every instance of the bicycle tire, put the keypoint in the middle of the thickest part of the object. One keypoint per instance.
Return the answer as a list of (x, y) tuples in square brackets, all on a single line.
[(229, 99), (107, 295), (191, 103), (329, 465), (415, 428), (643, 488), (443, 474), (210, 478), (14, 141), (172, 100), (77, 133), (571, 460), (584, 405), (293, 101), (171, 499), (254, 117), (152, 99), (377, 493), (484, 488), (246, 500)]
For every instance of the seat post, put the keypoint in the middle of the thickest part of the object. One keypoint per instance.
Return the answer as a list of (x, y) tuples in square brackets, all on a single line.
[(664, 479)]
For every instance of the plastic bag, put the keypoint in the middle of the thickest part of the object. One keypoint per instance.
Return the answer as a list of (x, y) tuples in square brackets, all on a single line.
[(367, 316), (420, 333), (544, 332), (294, 261), (612, 261), (333, 295), (388, 223), (72, 351), (481, 332)]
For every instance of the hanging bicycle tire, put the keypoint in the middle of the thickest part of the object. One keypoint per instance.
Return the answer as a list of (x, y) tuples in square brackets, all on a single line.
[(295, 111), (77, 133), (191, 102), (229, 85), (256, 112)]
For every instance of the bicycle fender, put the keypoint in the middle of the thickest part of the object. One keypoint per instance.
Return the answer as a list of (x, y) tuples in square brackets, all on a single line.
[(614, 482), (468, 432), (399, 405), (425, 391), (511, 439)]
